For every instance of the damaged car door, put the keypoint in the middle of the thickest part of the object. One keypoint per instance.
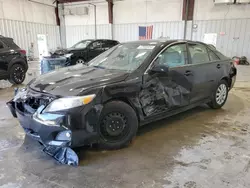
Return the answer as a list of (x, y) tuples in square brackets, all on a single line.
[(167, 83)]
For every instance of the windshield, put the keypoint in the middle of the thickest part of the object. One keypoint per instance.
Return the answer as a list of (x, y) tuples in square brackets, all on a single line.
[(125, 57), (82, 44)]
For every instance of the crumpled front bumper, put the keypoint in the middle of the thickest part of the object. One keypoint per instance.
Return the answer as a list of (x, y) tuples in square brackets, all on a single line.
[(39, 130), (53, 129)]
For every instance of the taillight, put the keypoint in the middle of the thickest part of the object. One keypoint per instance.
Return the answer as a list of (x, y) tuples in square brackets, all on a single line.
[(236, 60), (23, 52)]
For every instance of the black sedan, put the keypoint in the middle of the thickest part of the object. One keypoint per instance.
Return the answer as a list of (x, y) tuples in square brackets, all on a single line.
[(85, 50), (127, 86)]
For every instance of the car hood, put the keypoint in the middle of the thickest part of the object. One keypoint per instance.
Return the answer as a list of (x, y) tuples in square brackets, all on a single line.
[(65, 51), (72, 81)]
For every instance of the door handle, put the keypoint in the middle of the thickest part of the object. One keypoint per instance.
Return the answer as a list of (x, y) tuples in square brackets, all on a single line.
[(187, 73), (218, 66)]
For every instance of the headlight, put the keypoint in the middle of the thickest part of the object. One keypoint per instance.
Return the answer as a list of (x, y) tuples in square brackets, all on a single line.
[(20, 94), (68, 55), (69, 102)]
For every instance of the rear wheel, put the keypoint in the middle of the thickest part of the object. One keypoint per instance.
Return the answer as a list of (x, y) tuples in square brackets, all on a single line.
[(219, 97), (118, 125), (80, 61), (17, 74)]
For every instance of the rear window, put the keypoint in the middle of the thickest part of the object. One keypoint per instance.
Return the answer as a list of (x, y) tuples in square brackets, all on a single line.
[(114, 42), (10, 43), (220, 55), (213, 56)]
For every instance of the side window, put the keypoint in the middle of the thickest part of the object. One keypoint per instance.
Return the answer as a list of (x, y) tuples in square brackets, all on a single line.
[(220, 55), (198, 53), (174, 56), (212, 56), (106, 45), (113, 43), (96, 45)]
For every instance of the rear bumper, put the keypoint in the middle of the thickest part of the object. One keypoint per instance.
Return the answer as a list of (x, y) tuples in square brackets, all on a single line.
[(51, 129), (233, 82), (232, 76)]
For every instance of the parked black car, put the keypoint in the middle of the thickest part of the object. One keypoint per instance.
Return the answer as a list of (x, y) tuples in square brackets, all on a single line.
[(85, 50), (127, 86), (13, 61)]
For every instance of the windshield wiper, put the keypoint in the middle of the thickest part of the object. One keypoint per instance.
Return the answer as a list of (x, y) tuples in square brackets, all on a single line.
[(98, 66)]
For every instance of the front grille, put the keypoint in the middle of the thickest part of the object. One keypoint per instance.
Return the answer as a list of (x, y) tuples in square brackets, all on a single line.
[(33, 101)]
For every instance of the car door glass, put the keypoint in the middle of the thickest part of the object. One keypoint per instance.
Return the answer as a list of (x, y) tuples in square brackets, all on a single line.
[(96, 45), (106, 45), (113, 43), (198, 53), (174, 56), (213, 56), (81, 44)]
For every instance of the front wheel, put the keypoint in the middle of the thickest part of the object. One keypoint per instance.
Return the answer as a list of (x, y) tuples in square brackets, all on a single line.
[(80, 61), (118, 125), (17, 74), (220, 95)]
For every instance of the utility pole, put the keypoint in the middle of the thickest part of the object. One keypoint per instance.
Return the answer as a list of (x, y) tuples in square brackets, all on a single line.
[(95, 19), (186, 19)]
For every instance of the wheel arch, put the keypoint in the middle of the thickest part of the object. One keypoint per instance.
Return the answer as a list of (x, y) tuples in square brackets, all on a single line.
[(81, 55), (129, 102), (228, 80), (18, 61)]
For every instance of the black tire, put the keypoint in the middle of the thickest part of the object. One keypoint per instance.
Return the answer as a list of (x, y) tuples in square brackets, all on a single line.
[(214, 102), (127, 122), (80, 60), (17, 74)]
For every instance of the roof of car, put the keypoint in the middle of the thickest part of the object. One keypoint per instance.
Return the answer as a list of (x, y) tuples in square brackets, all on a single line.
[(1, 36), (106, 39), (159, 41), (98, 39)]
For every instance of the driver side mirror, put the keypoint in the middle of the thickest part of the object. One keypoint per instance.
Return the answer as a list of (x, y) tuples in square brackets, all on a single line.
[(91, 47), (160, 69)]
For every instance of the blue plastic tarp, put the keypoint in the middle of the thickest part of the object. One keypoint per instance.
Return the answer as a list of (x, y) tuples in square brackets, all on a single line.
[(48, 64)]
